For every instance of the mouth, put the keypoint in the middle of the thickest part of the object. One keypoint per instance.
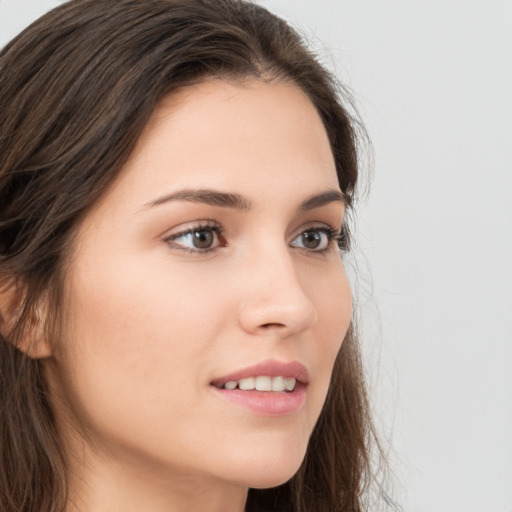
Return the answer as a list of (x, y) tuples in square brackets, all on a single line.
[(270, 388), (277, 384)]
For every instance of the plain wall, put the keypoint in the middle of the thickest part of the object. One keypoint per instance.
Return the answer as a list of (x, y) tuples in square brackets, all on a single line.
[(433, 83)]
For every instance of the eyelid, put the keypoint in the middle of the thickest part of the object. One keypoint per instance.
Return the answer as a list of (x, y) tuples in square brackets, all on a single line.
[(313, 225), (189, 226)]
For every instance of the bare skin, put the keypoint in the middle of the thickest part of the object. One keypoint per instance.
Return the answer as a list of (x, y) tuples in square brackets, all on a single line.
[(166, 294)]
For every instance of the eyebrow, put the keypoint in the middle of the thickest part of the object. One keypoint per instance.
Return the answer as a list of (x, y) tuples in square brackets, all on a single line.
[(206, 196), (318, 200), (238, 202)]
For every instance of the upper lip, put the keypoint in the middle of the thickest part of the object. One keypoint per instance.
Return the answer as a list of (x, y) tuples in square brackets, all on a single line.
[(269, 368)]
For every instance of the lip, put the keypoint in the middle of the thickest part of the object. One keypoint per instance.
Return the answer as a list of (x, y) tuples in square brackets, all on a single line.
[(266, 403)]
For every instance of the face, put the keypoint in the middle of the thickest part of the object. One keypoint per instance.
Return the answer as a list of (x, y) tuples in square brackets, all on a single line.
[(210, 266)]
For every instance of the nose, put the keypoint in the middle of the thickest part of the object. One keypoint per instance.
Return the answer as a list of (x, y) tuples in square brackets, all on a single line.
[(274, 300)]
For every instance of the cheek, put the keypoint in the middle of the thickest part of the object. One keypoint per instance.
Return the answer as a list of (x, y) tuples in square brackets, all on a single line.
[(134, 342), (333, 302), (334, 309)]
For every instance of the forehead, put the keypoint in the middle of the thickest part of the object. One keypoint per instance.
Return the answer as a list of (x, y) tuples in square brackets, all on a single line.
[(247, 137)]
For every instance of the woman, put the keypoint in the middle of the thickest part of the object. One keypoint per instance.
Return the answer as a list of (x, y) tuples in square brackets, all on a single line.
[(175, 316)]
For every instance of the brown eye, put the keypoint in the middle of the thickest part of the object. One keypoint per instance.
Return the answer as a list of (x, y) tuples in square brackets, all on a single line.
[(199, 239), (202, 239), (317, 239), (311, 239)]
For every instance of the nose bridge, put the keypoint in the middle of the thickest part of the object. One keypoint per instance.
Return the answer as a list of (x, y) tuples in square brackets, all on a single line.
[(274, 297)]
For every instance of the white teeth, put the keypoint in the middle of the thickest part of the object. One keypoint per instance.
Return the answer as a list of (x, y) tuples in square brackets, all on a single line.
[(278, 384), (246, 384), (290, 383), (262, 383)]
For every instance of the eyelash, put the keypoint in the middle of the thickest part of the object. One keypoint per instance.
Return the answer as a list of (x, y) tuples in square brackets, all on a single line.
[(335, 237)]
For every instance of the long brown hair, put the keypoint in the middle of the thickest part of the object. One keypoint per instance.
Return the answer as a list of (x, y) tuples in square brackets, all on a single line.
[(76, 90)]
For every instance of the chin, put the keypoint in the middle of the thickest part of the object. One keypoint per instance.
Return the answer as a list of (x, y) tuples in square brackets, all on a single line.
[(270, 471), (273, 480)]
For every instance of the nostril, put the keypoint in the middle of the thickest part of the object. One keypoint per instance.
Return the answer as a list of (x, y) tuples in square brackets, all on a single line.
[(266, 326)]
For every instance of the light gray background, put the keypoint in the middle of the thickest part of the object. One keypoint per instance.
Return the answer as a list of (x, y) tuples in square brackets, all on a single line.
[(433, 82)]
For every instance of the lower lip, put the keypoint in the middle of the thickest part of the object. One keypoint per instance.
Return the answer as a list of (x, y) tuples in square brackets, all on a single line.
[(267, 403)]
